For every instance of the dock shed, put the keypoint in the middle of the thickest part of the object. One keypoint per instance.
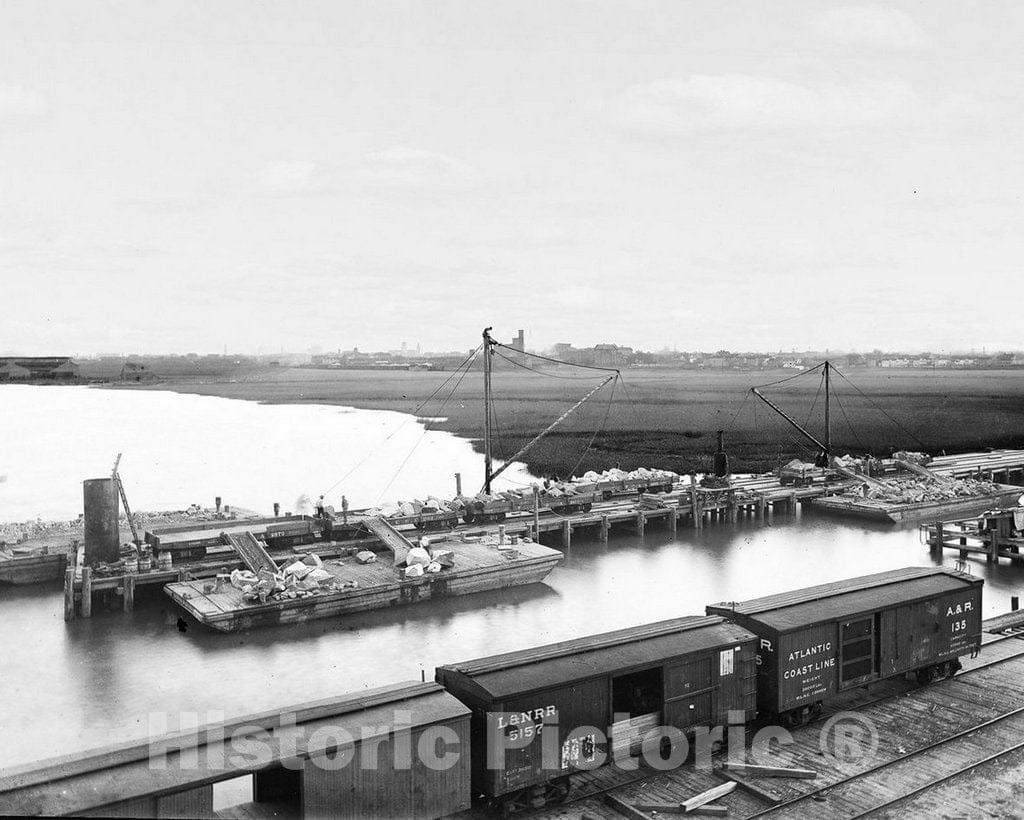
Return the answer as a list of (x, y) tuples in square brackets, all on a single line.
[(396, 752), (684, 673), (819, 641)]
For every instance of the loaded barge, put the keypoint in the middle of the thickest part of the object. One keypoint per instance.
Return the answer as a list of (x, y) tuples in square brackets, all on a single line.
[(477, 567)]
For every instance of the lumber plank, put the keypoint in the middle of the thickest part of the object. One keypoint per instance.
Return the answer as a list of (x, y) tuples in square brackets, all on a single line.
[(769, 771), (708, 796), (624, 808), (750, 788)]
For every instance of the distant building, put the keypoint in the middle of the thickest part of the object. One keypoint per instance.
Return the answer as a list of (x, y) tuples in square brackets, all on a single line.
[(38, 368)]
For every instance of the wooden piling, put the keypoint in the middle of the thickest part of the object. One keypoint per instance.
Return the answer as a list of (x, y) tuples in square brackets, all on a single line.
[(698, 516), (536, 512), (129, 592), (940, 537), (641, 520), (672, 520), (69, 594), (86, 592), (566, 533), (604, 527), (731, 508)]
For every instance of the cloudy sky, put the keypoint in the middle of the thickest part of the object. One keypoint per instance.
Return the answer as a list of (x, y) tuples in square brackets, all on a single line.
[(185, 176)]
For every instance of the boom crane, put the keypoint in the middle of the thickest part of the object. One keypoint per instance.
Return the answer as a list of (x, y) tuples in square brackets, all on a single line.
[(824, 449), (124, 500), (490, 474)]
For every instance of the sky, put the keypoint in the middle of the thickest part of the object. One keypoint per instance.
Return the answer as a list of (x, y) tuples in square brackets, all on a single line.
[(257, 176)]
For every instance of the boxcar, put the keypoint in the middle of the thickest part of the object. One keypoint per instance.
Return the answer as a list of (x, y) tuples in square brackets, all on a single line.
[(600, 696), (817, 642)]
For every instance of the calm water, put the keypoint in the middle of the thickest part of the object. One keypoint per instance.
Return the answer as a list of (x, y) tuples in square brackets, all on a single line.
[(91, 682)]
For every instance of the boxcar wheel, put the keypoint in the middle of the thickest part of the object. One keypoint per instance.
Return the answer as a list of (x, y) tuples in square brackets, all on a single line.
[(587, 507), (927, 675), (556, 791), (515, 802), (954, 667)]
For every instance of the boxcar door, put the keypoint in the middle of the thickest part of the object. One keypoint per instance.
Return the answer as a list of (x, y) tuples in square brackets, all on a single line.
[(859, 650), (689, 696), (637, 700)]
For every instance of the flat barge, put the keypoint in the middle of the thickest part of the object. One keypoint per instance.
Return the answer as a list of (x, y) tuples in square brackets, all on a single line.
[(33, 566), (380, 585), (915, 512)]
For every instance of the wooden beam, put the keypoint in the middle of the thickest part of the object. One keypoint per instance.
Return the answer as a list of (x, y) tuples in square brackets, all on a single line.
[(129, 592), (86, 592), (708, 796), (679, 808), (769, 771), (624, 808), (761, 794), (69, 594)]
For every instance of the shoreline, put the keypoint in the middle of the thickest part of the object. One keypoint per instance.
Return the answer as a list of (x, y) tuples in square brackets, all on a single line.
[(671, 422)]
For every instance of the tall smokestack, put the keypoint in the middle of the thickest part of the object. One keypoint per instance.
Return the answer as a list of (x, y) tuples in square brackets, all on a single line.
[(102, 531)]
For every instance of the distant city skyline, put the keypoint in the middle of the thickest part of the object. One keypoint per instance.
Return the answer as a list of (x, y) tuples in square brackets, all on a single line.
[(187, 176)]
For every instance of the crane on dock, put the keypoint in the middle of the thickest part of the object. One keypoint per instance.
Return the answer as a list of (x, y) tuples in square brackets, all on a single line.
[(824, 447), (490, 474), (124, 500)]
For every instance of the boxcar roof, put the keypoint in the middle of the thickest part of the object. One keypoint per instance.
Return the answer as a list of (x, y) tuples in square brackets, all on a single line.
[(848, 598), (569, 661)]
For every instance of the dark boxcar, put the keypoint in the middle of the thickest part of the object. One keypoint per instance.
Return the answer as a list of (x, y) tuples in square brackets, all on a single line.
[(567, 706), (819, 641)]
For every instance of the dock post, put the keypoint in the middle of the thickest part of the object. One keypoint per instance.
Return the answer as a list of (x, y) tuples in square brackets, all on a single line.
[(129, 592), (458, 484), (733, 511), (641, 519), (86, 592), (501, 534), (604, 527), (940, 537), (993, 547), (536, 512), (69, 594), (792, 502), (567, 533), (762, 506), (672, 522), (698, 516)]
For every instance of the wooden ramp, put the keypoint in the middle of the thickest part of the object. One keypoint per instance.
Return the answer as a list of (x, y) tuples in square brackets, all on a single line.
[(251, 551), (390, 537)]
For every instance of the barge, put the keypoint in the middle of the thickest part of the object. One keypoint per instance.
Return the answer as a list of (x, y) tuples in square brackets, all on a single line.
[(477, 567), (32, 566), (870, 509)]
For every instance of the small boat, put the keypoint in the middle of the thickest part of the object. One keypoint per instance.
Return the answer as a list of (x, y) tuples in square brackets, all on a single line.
[(36, 565)]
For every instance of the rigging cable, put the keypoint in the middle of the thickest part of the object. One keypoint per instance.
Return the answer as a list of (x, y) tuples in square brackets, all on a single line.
[(880, 409), (790, 378), (415, 414), (848, 424), (557, 361), (593, 438), (423, 435), (542, 373)]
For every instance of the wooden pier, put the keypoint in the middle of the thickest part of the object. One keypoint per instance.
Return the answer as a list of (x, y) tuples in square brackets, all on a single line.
[(995, 534)]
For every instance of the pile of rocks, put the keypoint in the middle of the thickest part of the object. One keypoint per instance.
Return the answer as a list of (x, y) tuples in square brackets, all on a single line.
[(302, 579)]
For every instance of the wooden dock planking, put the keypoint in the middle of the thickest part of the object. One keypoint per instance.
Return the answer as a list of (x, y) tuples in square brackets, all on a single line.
[(908, 718)]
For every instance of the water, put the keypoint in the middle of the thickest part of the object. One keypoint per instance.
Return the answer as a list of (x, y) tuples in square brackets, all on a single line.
[(91, 682), (183, 449)]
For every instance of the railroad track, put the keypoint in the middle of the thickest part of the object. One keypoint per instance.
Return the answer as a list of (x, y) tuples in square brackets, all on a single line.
[(809, 797), (853, 796)]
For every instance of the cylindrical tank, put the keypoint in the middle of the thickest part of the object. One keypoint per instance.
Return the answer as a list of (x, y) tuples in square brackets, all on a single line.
[(721, 459), (102, 533)]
